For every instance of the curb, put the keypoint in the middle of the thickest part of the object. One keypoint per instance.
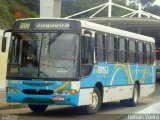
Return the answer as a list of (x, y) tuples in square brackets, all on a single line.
[(4, 106)]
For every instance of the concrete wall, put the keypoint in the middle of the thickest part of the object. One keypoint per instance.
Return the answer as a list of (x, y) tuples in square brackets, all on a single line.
[(3, 61), (50, 8)]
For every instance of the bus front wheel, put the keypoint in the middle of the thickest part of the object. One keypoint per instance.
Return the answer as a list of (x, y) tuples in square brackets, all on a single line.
[(38, 108), (96, 103)]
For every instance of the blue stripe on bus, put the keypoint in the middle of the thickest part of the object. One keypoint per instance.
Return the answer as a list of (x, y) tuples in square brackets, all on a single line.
[(107, 74), (119, 74)]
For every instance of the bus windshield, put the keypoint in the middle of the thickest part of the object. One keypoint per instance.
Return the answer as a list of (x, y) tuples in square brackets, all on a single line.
[(44, 55)]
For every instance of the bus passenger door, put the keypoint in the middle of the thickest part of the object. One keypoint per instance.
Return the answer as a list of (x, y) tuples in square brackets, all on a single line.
[(87, 53), (87, 79)]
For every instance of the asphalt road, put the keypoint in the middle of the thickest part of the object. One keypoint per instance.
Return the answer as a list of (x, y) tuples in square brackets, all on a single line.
[(109, 111)]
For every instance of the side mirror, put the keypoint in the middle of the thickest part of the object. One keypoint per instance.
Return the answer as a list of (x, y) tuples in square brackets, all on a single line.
[(4, 43), (4, 40)]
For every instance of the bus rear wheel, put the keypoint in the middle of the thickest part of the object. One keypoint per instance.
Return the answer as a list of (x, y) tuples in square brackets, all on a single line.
[(132, 102), (38, 108), (96, 103)]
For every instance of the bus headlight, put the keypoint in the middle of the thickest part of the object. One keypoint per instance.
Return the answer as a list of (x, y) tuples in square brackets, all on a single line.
[(72, 91), (12, 90)]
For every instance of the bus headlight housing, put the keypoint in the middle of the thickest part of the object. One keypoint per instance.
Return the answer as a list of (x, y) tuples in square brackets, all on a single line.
[(12, 90), (72, 91)]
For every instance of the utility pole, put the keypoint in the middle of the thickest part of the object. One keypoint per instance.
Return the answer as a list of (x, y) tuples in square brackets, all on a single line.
[(110, 8), (139, 9), (50, 8)]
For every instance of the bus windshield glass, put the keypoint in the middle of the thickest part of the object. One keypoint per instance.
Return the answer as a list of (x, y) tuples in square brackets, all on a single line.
[(44, 55)]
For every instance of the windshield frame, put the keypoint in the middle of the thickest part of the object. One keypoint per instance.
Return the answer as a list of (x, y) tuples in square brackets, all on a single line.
[(10, 76)]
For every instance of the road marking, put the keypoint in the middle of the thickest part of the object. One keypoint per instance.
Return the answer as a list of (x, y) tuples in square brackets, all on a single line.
[(151, 112), (152, 109)]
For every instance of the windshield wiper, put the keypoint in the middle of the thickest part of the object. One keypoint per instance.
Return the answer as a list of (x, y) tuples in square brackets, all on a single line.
[(53, 39), (43, 73)]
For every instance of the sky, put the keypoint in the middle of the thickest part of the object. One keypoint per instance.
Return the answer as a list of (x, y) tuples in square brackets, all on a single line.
[(157, 2)]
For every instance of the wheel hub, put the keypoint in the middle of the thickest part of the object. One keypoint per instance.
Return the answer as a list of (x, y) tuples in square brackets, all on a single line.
[(135, 95), (94, 101)]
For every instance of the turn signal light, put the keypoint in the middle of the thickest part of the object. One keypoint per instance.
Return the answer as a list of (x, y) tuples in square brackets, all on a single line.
[(73, 91)]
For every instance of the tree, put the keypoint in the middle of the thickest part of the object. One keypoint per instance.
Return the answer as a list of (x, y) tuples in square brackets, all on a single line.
[(154, 9), (70, 7), (147, 3), (10, 10), (32, 4)]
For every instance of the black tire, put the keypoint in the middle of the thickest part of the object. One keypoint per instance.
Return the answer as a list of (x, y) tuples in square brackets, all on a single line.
[(94, 107), (38, 108), (124, 102), (134, 100)]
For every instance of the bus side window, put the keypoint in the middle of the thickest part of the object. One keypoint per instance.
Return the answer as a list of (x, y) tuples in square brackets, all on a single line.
[(115, 49), (106, 51), (87, 50), (121, 50), (110, 48), (132, 50), (140, 52), (148, 54), (152, 54), (136, 54), (126, 50), (144, 53), (100, 47)]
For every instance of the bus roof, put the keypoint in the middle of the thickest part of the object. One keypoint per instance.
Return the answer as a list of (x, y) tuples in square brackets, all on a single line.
[(102, 28), (115, 31)]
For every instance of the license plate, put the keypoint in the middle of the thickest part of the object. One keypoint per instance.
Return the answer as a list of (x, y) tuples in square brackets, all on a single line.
[(58, 98)]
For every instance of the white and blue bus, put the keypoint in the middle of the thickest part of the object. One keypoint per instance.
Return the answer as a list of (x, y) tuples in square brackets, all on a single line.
[(79, 63)]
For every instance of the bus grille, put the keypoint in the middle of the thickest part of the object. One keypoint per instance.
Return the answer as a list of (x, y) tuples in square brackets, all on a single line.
[(35, 92), (37, 84), (37, 100)]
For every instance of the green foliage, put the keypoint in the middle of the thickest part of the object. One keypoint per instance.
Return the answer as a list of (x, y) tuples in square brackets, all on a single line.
[(147, 3), (31, 4), (10, 10), (6, 16), (70, 7), (74, 6), (154, 9)]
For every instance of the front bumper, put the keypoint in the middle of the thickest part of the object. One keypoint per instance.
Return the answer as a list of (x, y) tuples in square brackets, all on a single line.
[(40, 92), (42, 99)]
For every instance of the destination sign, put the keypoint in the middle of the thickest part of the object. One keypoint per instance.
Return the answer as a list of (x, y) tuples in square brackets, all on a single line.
[(48, 24), (24, 25), (52, 25)]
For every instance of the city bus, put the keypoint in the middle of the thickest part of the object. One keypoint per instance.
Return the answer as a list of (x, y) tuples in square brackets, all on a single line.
[(79, 63)]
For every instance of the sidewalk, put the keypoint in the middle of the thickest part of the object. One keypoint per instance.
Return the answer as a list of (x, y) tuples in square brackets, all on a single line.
[(4, 105)]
